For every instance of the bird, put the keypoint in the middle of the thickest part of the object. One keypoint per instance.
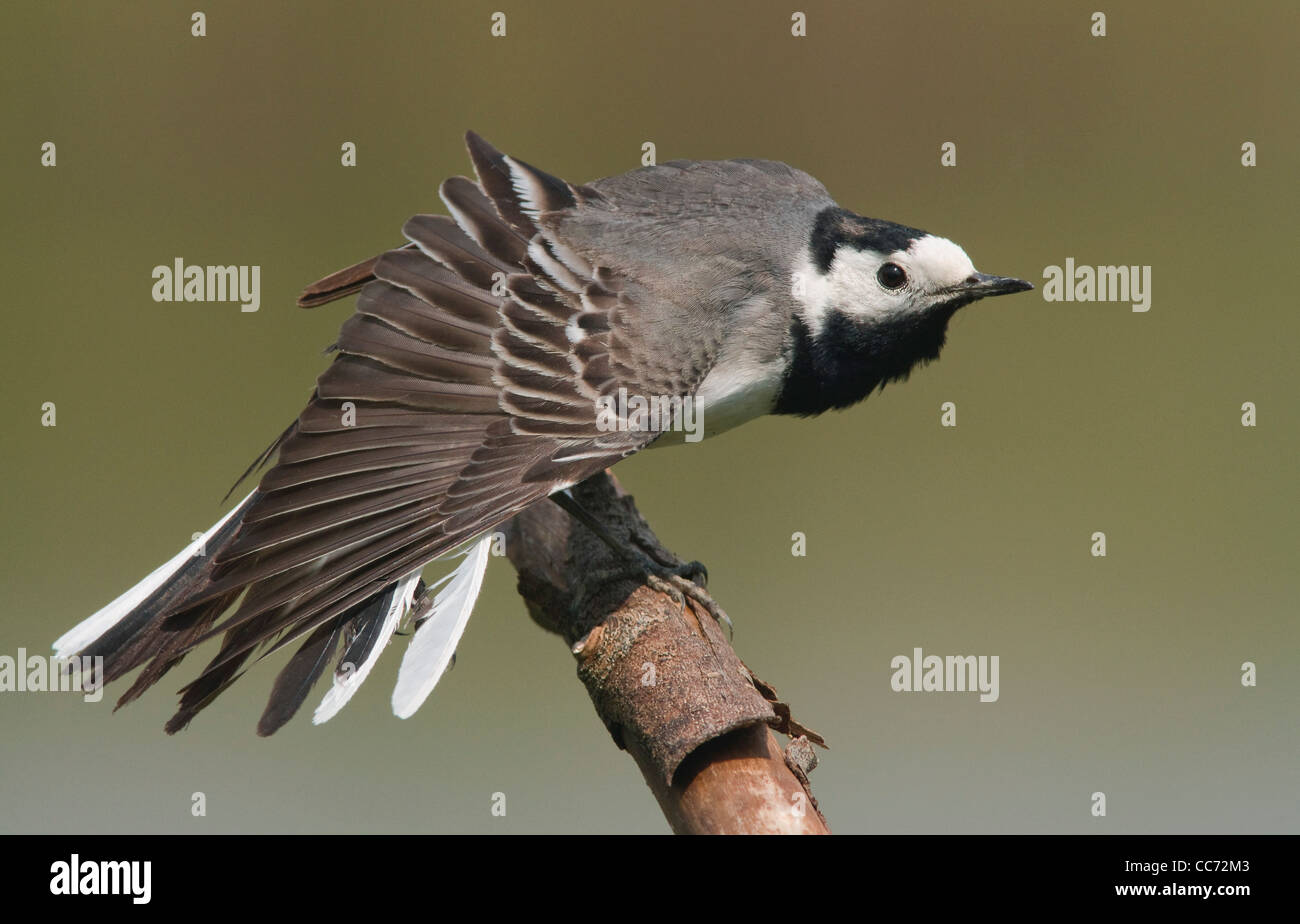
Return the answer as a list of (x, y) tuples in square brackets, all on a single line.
[(466, 385)]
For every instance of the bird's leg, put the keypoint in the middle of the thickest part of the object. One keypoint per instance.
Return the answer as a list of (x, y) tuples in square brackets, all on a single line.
[(672, 578), (693, 570)]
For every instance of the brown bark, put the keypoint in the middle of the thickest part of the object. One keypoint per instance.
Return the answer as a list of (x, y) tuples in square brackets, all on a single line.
[(662, 675)]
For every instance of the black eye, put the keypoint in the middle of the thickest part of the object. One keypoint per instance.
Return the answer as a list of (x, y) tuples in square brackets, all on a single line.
[(891, 276)]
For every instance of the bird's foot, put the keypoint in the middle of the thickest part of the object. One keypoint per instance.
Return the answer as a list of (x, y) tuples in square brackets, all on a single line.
[(682, 582), (657, 569)]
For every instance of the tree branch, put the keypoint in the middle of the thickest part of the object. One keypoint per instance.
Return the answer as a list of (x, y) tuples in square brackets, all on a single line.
[(662, 676)]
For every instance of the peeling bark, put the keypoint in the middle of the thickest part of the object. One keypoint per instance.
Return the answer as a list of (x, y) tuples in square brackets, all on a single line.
[(662, 676)]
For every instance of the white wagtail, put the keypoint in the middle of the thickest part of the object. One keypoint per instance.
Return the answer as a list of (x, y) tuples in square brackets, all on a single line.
[(466, 387)]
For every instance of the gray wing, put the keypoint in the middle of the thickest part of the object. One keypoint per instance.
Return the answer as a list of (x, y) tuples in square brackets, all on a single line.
[(447, 410)]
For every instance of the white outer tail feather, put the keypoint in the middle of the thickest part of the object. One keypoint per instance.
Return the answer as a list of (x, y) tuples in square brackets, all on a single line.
[(87, 631), (341, 691), (423, 664), (430, 651)]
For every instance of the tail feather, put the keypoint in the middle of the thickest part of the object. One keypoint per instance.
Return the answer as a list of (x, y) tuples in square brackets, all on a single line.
[(360, 656), (175, 637), (209, 684), (124, 632), (151, 624), (299, 675), (435, 642)]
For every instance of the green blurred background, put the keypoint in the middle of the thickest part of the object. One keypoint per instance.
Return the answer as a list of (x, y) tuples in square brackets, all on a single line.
[(1119, 675)]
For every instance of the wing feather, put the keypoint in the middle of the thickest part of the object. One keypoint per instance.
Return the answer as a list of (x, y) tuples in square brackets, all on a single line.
[(461, 391)]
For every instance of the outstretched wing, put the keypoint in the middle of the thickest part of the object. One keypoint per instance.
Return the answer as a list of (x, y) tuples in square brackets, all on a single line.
[(465, 388)]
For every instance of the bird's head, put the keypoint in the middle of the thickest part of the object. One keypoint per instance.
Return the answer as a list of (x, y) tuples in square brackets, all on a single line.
[(872, 300)]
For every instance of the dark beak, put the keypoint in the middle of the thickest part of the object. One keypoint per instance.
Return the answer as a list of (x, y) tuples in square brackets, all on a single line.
[(982, 285)]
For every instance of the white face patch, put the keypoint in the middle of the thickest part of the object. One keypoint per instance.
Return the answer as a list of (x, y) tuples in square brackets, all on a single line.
[(932, 265), (937, 262)]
